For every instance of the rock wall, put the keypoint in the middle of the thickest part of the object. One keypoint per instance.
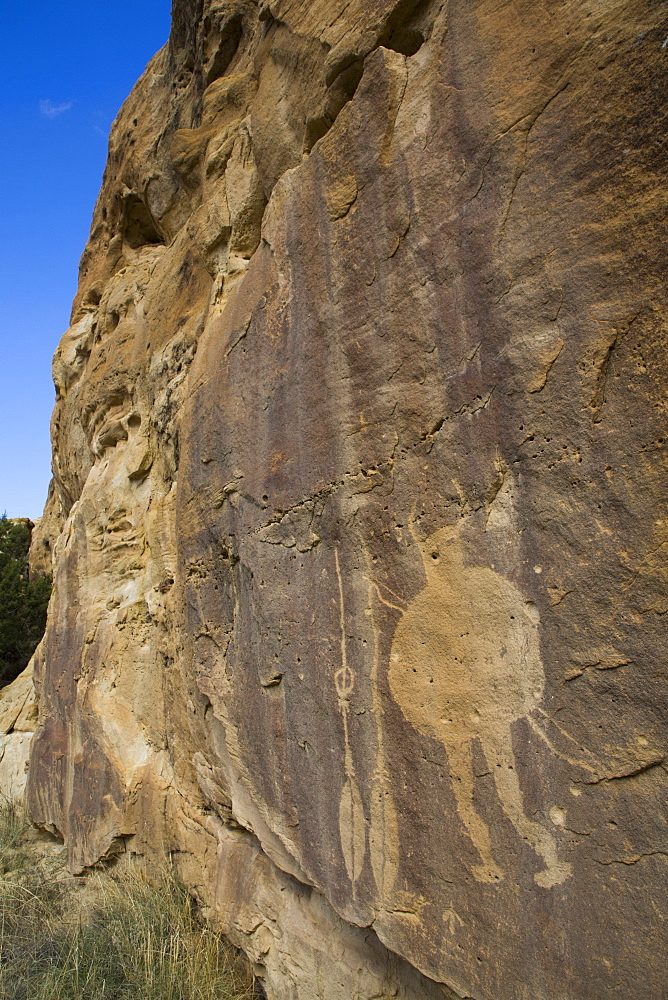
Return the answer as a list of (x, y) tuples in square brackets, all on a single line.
[(18, 720), (359, 490)]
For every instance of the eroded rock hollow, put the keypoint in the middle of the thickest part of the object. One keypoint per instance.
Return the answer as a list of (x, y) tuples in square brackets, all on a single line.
[(358, 510)]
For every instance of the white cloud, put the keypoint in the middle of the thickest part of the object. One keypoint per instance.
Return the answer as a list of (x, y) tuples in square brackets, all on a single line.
[(51, 110)]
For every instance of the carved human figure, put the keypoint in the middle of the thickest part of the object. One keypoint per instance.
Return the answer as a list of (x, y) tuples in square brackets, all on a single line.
[(464, 665)]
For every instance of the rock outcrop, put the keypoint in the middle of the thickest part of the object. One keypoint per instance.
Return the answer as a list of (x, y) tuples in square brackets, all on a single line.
[(358, 514), (18, 720)]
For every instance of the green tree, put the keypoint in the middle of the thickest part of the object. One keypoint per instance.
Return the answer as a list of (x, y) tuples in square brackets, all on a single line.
[(23, 602)]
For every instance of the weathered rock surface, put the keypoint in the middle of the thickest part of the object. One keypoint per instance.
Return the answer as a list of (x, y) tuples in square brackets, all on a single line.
[(359, 496), (18, 720), (40, 556)]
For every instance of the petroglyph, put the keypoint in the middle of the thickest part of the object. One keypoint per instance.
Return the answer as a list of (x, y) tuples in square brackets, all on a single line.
[(384, 827), (452, 920), (465, 665), (352, 824)]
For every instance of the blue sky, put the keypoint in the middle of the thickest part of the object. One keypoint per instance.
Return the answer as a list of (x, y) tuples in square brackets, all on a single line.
[(67, 68)]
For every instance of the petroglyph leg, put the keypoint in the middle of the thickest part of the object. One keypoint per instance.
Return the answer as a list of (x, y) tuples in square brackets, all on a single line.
[(384, 826), (501, 759), (383, 836), (461, 772)]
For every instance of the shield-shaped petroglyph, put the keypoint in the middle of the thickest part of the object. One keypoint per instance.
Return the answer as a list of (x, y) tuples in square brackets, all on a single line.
[(465, 664)]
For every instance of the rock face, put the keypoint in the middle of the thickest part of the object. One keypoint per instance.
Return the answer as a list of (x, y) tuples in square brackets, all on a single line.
[(18, 719), (359, 491)]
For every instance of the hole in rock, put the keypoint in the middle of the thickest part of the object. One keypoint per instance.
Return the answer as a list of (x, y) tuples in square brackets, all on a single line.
[(139, 229), (316, 128), (402, 32), (343, 87), (342, 83), (111, 436), (222, 46), (405, 40)]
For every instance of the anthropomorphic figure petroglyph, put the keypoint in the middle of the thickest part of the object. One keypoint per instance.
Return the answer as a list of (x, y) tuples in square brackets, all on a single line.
[(465, 665)]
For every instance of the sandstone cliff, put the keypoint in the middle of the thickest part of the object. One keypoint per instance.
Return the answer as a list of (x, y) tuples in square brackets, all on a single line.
[(359, 490)]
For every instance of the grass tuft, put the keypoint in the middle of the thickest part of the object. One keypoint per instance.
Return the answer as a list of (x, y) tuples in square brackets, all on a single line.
[(105, 937)]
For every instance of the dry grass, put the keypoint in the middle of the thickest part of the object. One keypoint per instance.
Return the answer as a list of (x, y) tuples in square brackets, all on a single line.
[(108, 937)]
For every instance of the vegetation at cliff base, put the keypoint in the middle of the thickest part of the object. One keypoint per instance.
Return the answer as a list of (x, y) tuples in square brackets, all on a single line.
[(104, 936), (23, 602)]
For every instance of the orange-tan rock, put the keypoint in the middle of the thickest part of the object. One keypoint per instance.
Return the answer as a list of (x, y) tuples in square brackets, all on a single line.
[(359, 487), (18, 721)]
